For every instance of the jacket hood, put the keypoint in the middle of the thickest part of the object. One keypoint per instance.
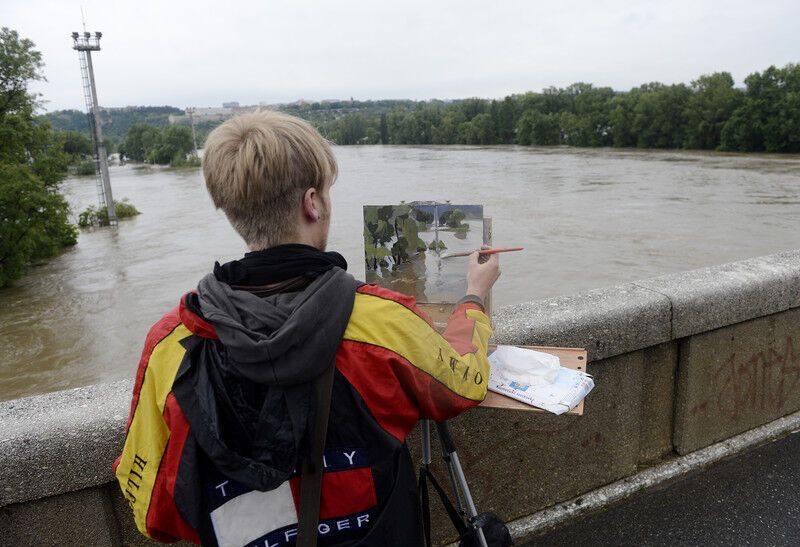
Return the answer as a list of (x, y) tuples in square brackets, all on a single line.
[(284, 339), (248, 395)]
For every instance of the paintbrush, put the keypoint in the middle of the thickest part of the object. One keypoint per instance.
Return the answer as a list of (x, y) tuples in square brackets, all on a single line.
[(484, 252)]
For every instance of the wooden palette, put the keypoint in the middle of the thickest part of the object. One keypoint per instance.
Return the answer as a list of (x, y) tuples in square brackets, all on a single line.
[(574, 358)]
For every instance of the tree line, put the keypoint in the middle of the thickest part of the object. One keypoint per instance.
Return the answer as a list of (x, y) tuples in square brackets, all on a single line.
[(711, 113), (116, 121)]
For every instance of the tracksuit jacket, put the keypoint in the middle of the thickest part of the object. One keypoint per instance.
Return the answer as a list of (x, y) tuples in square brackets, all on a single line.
[(221, 403)]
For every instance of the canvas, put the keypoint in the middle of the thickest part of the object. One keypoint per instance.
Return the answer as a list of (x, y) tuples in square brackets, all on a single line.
[(404, 245)]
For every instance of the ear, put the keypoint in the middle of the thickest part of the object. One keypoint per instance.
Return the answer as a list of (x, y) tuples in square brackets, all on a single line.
[(309, 206)]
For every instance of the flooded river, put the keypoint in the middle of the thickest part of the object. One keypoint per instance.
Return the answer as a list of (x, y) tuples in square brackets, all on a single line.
[(587, 218)]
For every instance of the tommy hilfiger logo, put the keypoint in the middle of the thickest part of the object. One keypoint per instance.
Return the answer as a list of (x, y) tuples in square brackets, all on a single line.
[(288, 535), (244, 517), (134, 475)]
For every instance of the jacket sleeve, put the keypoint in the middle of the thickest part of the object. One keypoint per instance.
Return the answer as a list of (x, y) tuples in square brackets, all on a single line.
[(467, 332), (154, 437), (411, 364)]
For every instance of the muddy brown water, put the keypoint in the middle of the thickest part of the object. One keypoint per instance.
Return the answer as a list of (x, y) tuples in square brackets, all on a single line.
[(587, 218)]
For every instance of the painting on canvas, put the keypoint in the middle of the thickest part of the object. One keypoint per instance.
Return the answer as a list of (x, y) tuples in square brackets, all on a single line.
[(404, 245)]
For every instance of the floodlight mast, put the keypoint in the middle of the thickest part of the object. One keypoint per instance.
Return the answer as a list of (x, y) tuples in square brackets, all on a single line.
[(85, 43)]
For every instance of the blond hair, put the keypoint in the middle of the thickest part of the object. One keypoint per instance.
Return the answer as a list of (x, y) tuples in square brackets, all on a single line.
[(258, 166)]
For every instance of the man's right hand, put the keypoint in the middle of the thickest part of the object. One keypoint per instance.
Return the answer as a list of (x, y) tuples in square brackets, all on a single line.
[(483, 272)]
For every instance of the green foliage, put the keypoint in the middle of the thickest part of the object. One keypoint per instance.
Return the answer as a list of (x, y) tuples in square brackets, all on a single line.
[(176, 143), (77, 145), (453, 218), (446, 131), (85, 168), (396, 225), (69, 120), (658, 117), (33, 221), (540, 129), (186, 161), (422, 216), (20, 64), (116, 121), (479, 130), (33, 215), (713, 101), (348, 130), (148, 143), (768, 116), (141, 141), (98, 216), (377, 233)]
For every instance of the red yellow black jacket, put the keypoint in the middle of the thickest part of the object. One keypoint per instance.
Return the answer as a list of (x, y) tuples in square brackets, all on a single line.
[(392, 369)]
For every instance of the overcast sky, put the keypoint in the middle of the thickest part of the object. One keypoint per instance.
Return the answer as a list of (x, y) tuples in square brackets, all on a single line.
[(201, 53)]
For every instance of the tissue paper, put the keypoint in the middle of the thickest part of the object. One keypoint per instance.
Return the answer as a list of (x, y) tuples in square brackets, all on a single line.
[(537, 379)]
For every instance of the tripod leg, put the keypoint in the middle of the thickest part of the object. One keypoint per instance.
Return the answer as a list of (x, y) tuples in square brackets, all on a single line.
[(450, 449), (425, 425), (454, 483)]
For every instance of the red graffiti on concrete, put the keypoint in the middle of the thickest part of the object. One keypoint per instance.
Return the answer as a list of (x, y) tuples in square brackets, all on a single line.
[(763, 381)]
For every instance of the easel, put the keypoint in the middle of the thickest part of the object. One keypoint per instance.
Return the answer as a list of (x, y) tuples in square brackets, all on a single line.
[(464, 502), (574, 358), (465, 506)]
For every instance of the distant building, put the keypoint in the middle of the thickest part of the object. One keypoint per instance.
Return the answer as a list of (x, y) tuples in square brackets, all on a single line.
[(211, 113), (231, 104)]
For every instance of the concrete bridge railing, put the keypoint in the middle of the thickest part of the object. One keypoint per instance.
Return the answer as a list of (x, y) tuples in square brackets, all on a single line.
[(680, 362)]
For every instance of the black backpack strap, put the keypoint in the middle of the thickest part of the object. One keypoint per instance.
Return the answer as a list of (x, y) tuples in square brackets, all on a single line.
[(425, 477), (425, 504), (311, 478)]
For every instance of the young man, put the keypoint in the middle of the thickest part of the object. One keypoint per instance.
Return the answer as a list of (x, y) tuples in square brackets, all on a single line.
[(223, 407)]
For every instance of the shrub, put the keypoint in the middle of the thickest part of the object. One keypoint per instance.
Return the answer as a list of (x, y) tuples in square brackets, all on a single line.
[(98, 216), (85, 168), (182, 160)]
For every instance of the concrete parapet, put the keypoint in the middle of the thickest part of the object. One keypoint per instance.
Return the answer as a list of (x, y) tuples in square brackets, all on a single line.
[(607, 322), (75, 518), (632, 316), (61, 442), (710, 298)]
